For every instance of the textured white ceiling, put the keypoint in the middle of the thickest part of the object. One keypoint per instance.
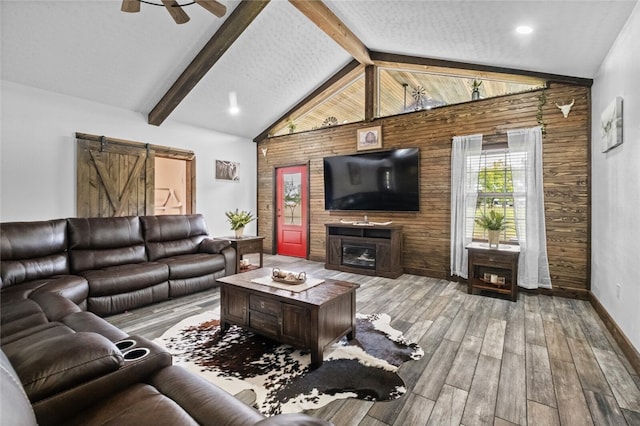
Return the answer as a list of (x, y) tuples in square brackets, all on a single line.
[(570, 37), (272, 65), (89, 49)]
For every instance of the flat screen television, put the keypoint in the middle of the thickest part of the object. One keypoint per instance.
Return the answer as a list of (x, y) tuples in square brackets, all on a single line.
[(373, 181)]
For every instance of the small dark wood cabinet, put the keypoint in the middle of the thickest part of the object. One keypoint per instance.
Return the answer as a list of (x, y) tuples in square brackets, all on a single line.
[(245, 245), (493, 269), (364, 249)]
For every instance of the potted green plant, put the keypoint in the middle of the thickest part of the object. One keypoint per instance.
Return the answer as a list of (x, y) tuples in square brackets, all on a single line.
[(475, 93), (291, 125), (494, 222), (238, 220)]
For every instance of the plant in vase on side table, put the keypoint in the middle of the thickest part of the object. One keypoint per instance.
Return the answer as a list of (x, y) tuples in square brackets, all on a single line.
[(238, 219), (494, 222)]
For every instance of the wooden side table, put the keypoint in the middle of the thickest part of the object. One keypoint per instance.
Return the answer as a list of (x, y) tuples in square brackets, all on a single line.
[(493, 269), (245, 245)]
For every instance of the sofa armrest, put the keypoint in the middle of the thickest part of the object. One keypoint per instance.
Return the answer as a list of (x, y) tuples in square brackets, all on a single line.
[(204, 401), (55, 306), (229, 260), (62, 362), (212, 246), (58, 409), (90, 322), (297, 419)]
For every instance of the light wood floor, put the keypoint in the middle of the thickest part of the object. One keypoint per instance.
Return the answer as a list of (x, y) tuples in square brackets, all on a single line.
[(540, 361)]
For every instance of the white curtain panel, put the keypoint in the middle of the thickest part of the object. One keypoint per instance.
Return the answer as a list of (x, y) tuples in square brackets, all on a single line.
[(465, 165), (525, 146)]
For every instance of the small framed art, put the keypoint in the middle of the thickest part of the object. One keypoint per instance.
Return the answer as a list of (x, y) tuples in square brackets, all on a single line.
[(227, 170), (611, 125), (369, 138)]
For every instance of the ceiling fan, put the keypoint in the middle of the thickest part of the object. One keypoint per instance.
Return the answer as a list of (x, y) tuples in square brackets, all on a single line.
[(175, 9)]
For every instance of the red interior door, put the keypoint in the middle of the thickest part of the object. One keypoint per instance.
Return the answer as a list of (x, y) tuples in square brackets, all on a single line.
[(291, 202)]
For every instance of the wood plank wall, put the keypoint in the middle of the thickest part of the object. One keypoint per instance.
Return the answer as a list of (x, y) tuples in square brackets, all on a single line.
[(426, 234)]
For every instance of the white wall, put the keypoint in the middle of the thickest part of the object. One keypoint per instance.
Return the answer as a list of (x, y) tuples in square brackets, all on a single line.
[(615, 236), (38, 155)]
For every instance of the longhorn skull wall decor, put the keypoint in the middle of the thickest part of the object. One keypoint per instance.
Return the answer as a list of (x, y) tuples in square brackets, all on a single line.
[(566, 108)]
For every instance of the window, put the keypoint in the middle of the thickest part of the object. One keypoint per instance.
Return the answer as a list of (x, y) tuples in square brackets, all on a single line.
[(495, 191), (401, 88), (345, 105), (408, 90)]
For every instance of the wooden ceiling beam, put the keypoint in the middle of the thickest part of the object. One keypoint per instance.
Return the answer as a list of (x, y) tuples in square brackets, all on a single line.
[(227, 34), (443, 66), (318, 13)]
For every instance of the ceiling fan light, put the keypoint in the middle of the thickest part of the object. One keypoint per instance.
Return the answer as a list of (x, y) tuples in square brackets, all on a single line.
[(213, 6), (234, 109), (524, 29)]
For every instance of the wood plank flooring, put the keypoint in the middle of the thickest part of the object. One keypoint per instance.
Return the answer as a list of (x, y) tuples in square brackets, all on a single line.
[(488, 361)]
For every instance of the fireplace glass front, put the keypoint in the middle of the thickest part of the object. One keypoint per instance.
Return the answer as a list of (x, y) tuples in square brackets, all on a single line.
[(359, 255)]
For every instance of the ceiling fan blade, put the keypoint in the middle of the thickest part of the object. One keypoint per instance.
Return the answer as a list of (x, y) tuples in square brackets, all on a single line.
[(213, 6), (176, 11), (131, 6)]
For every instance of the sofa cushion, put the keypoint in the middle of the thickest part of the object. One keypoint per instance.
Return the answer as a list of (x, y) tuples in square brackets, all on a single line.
[(72, 287), (87, 260), (32, 250), (193, 265), (31, 320), (15, 309), (183, 286), (100, 242), (138, 404), (44, 327), (58, 363), (125, 278), (116, 303), (173, 235), (17, 315), (31, 336)]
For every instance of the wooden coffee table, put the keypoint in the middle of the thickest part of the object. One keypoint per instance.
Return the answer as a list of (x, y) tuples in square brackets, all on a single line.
[(310, 319)]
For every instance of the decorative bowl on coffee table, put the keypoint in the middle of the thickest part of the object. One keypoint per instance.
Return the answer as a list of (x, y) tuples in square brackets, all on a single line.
[(287, 277)]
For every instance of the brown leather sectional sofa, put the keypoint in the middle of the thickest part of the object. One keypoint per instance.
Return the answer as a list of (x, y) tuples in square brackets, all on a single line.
[(62, 364), (110, 265)]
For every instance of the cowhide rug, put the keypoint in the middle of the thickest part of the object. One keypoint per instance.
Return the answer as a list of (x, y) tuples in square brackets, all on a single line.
[(365, 368)]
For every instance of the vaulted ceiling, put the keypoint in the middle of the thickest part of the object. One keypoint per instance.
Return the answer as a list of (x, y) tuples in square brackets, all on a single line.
[(90, 49)]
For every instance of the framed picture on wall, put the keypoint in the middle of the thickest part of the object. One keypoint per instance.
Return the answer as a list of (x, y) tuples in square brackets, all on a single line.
[(227, 170), (369, 138), (611, 125)]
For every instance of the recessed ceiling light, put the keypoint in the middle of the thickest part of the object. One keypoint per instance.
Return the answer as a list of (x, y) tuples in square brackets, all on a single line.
[(524, 29), (233, 103)]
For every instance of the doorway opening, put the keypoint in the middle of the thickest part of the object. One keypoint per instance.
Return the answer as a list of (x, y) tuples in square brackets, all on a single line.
[(170, 192)]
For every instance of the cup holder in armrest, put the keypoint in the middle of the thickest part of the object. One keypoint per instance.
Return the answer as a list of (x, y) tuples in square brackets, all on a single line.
[(136, 353), (125, 344)]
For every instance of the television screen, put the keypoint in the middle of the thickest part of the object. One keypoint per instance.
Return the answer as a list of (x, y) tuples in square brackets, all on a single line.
[(375, 181)]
